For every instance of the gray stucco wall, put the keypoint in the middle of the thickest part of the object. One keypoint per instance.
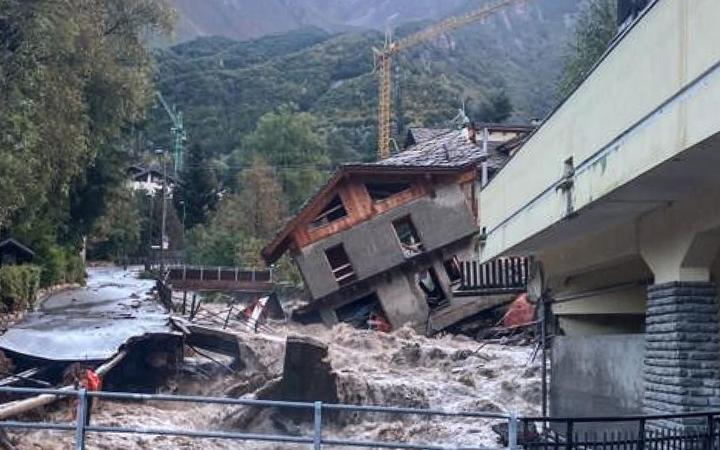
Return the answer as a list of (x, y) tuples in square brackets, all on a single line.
[(402, 301), (373, 247), (597, 375)]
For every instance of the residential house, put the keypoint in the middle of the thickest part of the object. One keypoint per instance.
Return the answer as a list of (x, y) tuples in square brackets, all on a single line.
[(13, 252), (382, 240), (148, 179)]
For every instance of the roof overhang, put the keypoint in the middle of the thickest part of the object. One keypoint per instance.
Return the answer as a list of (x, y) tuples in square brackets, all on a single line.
[(280, 243)]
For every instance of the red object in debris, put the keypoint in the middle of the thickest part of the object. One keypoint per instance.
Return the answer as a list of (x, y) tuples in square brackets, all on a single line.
[(520, 312), (379, 323), (92, 381)]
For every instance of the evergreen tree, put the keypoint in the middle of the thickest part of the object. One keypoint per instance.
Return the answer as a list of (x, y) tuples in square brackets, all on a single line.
[(497, 108), (196, 194), (594, 30)]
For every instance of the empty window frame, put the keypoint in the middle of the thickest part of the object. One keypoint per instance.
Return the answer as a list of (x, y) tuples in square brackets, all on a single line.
[(333, 211), (408, 237), (380, 190), (429, 283), (340, 265), (452, 268)]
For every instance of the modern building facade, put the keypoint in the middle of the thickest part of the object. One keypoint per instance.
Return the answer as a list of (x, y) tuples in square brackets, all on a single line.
[(620, 202)]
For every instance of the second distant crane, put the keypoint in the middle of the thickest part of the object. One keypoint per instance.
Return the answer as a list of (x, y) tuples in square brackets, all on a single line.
[(383, 61), (178, 133)]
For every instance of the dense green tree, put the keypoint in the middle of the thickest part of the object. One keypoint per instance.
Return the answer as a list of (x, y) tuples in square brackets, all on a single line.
[(196, 194), (594, 30), (497, 108), (73, 75), (117, 233), (289, 141)]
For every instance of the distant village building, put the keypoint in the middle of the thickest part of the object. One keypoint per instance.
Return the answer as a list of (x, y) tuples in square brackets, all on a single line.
[(382, 241), (12, 253), (148, 179)]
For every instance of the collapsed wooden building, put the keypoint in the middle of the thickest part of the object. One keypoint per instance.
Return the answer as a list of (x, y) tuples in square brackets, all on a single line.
[(382, 241)]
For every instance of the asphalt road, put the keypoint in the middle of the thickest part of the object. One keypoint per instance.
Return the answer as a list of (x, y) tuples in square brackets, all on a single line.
[(89, 323)]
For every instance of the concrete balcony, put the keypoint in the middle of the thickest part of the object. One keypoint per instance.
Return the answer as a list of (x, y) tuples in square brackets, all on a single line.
[(641, 132)]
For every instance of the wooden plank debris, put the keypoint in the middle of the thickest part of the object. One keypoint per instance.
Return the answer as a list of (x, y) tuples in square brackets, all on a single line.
[(22, 406)]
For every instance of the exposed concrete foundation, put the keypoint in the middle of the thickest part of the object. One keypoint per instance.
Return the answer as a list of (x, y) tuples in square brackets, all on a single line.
[(597, 375), (682, 366)]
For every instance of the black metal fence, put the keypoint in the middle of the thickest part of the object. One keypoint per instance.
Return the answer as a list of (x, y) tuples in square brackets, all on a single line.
[(690, 431), (502, 274)]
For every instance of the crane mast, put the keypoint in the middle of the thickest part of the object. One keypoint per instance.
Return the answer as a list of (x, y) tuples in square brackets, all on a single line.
[(177, 130), (383, 61)]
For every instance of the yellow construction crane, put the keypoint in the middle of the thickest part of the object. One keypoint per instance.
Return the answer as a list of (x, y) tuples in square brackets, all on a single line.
[(383, 61)]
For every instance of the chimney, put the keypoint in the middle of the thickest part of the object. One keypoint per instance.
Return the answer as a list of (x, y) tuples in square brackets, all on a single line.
[(471, 132)]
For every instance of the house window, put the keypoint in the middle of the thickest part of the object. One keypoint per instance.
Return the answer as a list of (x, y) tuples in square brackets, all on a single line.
[(452, 268), (340, 265), (333, 211), (429, 283), (381, 190), (408, 237)]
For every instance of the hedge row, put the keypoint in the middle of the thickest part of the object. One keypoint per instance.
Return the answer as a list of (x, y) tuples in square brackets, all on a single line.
[(19, 286)]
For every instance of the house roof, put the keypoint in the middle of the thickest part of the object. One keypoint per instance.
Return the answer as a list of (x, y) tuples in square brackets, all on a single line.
[(137, 172), (451, 148), (445, 151), (10, 242)]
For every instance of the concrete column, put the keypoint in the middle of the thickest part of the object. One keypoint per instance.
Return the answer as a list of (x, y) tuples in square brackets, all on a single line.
[(682, 370)]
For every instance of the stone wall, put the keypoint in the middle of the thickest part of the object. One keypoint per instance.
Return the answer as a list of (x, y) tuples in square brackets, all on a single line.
[(681, 360)]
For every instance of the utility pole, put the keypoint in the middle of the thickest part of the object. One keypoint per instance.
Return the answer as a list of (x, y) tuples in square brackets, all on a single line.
[(161, 152)]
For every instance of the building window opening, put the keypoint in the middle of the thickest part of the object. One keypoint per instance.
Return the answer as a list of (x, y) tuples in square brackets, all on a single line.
[(340, 264), (381, 190), (333, 211), (429, 283), (452, 268), (365, 313), (408, 236)]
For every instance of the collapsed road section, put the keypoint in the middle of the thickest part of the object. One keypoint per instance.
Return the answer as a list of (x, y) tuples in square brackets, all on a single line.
[(89, 323), (113, 318)]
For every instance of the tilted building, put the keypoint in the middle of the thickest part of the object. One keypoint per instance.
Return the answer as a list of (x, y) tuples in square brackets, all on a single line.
[(383, 239)]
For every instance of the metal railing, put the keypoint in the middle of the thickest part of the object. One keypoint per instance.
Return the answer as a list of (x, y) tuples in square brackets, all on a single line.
[(498, 274), (695, 431), (686, 431), (316, 440), (215, 273)]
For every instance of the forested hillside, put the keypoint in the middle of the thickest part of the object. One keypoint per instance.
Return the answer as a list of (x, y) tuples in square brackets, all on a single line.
[(224, 86)]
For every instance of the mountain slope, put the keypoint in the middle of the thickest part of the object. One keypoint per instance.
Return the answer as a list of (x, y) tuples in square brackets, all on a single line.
[(224, 86)]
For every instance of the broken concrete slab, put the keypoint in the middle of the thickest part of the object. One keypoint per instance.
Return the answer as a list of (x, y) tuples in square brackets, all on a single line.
[(463, 308)]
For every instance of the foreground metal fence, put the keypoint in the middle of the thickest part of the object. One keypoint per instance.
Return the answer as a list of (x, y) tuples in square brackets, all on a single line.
[(316, 440), (694, 431)]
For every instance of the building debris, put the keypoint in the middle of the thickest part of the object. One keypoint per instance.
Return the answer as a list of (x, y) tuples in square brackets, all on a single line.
[(18, 407)]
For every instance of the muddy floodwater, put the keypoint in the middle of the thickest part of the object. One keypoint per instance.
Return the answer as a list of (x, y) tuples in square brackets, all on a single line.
[(402, 368), (89, 323)]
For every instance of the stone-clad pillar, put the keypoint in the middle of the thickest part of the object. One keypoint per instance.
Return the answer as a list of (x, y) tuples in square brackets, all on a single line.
[(682, 356)]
